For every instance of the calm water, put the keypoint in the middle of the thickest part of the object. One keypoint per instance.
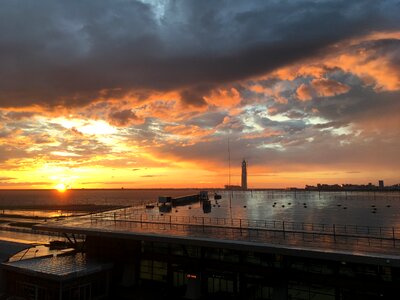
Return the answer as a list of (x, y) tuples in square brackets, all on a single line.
[(352, 208)]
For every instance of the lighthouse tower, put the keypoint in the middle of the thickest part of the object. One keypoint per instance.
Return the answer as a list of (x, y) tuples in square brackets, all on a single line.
[(244, 175)]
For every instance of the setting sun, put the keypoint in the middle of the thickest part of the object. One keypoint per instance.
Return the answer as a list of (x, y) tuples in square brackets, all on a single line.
[(61, 187)]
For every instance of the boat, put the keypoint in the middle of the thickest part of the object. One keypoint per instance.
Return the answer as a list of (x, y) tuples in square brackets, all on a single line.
[(149, 206)]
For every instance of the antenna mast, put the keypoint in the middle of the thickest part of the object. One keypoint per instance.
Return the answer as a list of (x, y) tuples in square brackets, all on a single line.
[(229, 162)]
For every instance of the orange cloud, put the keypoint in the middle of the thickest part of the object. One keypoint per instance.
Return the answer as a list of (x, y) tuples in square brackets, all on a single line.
[(308, 68), (327, 87), (224, 97), (263, 134), (321, 87), (304, 92), (373, 68), (188, 130), (275, 93)]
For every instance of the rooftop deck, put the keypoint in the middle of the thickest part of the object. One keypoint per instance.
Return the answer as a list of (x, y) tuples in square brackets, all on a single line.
[(57, 267), (336, 241)]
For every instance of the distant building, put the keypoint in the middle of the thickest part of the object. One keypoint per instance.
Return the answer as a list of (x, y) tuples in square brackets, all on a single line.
[(244, 175), (353, 187), (381, 185)]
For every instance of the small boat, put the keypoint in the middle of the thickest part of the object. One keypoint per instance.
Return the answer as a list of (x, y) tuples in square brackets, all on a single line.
[(149, 206)]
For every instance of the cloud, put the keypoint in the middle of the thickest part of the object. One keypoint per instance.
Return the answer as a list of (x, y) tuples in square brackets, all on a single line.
[(376, 62), (321, 87), (327, 87), (99, 87), (9, 184), (6, 178), (124, 118), (69, 53), (304, 92)]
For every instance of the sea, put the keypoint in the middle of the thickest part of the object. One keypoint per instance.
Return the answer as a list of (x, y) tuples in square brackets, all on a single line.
[(363, 208)]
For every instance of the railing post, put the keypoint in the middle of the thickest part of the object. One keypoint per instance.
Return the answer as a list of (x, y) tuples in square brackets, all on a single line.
[(283, 228), (334, 233), (394, 238)]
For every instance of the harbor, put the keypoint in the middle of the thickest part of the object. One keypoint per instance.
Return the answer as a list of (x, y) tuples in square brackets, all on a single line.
[(204, 243), (191, 253)]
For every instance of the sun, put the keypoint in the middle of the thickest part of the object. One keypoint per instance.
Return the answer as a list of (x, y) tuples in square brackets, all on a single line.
[(61, 187)]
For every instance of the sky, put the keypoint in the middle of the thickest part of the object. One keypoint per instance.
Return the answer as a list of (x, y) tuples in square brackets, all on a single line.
[(146, 94)]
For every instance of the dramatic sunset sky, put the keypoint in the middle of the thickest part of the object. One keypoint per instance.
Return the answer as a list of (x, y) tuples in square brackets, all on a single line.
[(123, 93)]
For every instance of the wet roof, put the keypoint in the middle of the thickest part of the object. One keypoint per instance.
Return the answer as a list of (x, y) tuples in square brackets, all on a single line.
[(57, 267), (308, 240), (8, 249)]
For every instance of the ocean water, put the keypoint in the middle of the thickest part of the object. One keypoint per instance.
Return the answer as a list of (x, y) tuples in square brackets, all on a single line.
[(346, 208), (17, 198)]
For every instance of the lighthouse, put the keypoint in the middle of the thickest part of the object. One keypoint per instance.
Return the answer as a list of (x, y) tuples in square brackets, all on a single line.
[(244, 175)]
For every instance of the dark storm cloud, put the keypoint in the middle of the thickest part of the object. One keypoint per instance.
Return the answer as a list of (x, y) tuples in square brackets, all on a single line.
[(72, 52), (359, 104)]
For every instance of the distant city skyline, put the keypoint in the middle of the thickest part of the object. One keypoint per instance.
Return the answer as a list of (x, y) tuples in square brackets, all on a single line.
[(142, 94)]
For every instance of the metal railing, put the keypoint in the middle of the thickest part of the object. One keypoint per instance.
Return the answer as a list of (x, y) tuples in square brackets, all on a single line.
[(388, 237)]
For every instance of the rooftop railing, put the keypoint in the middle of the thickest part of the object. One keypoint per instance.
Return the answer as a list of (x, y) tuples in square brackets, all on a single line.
[(374, 238)]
